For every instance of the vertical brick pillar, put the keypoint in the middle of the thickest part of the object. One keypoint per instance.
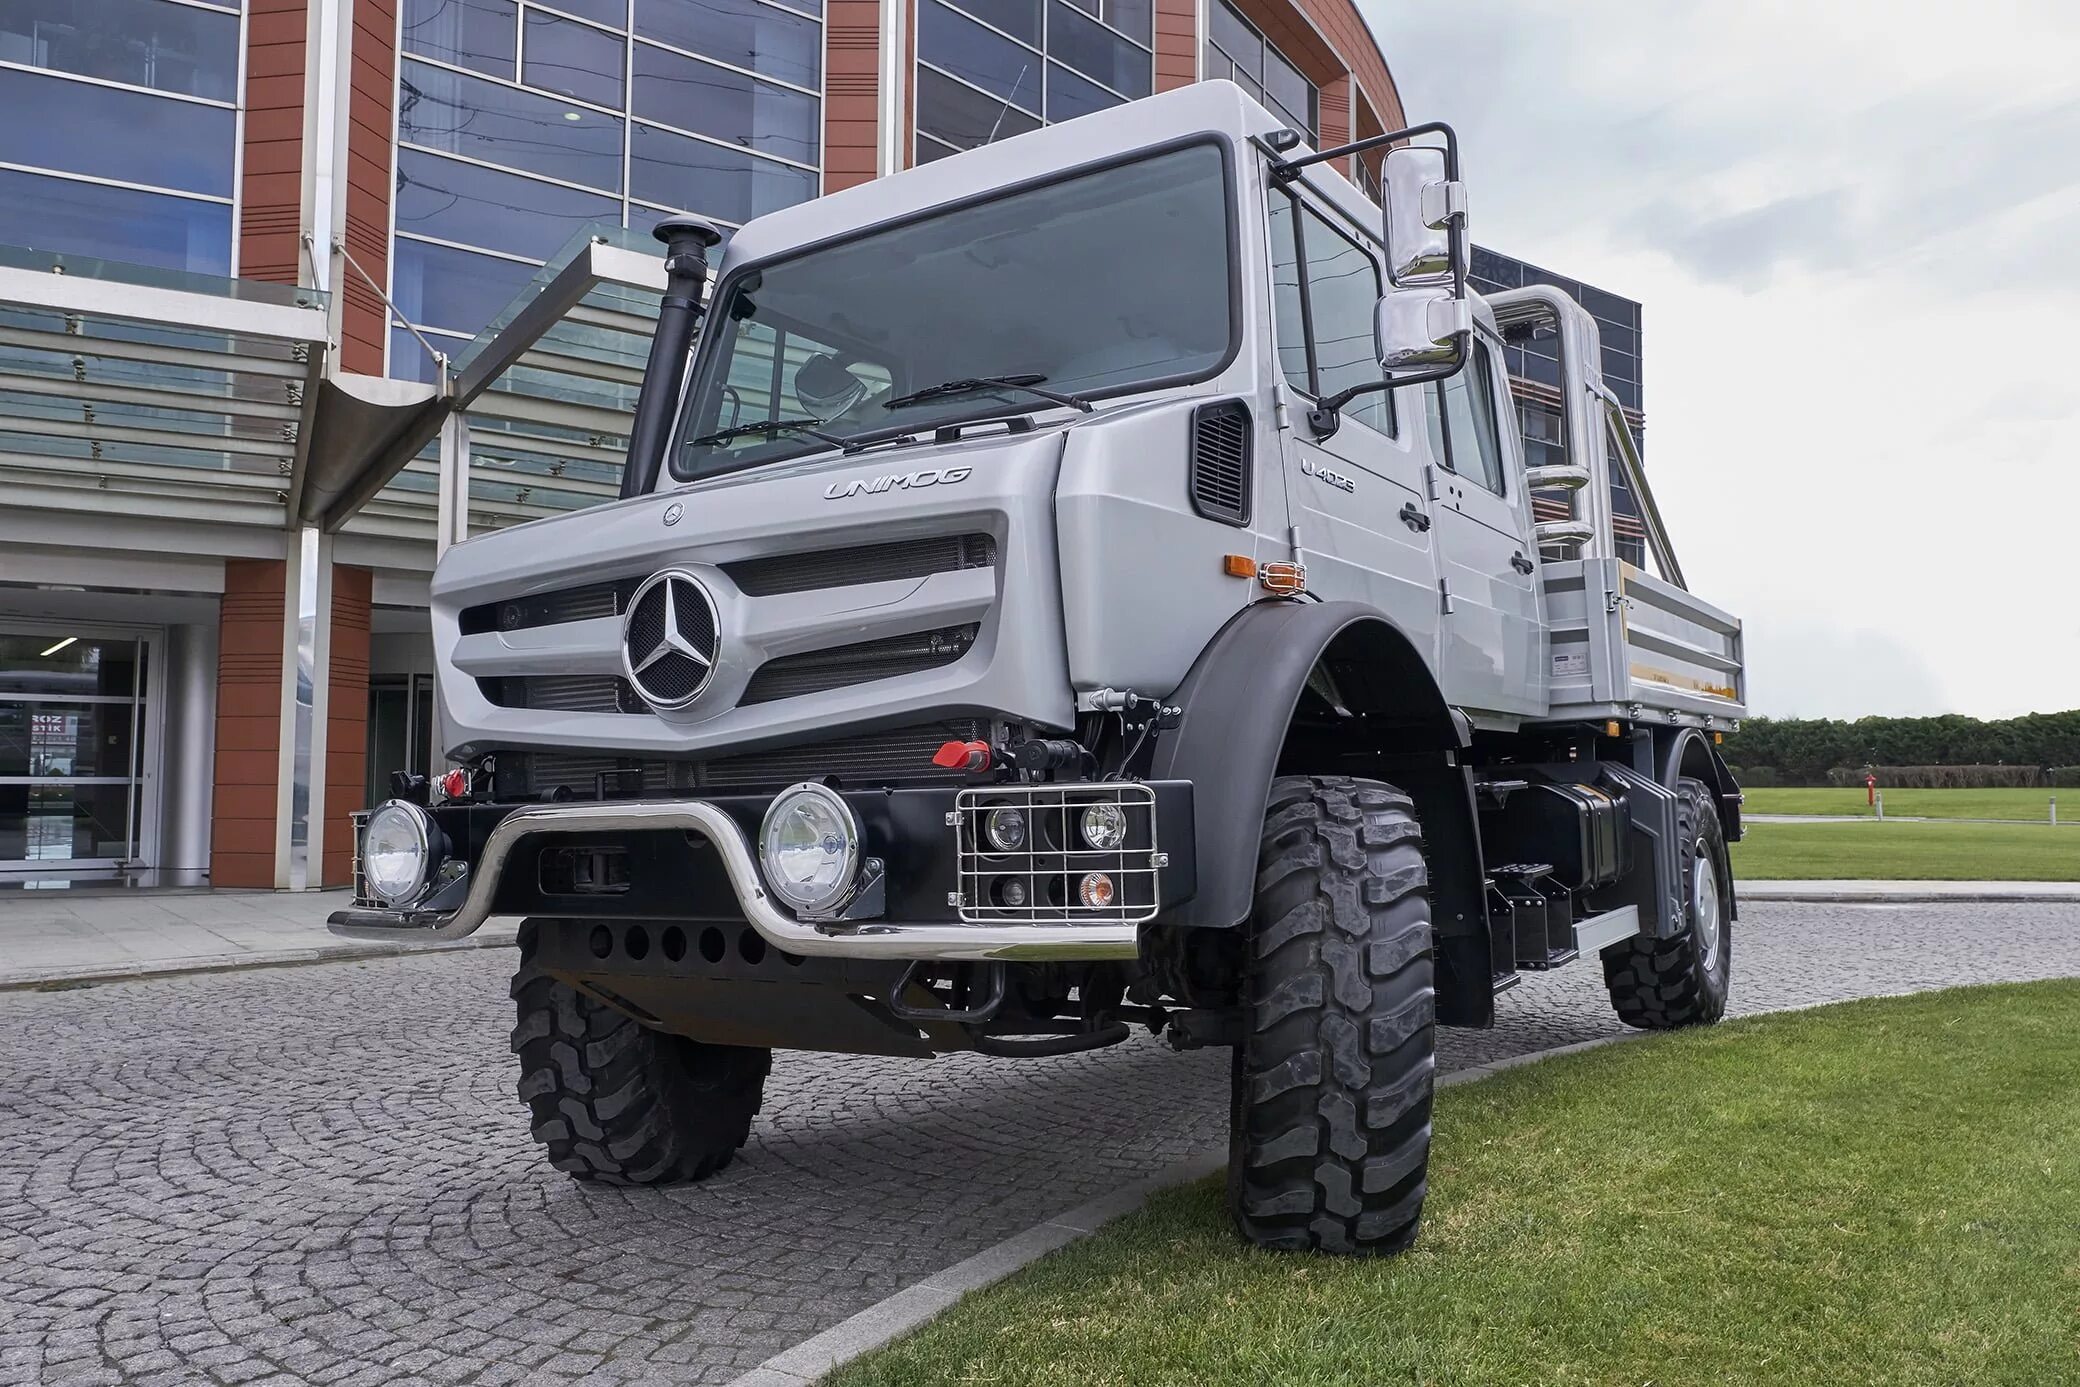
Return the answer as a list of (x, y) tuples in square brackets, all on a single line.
[(1177, 43), (372, 87), (270, 211), (249, 730), (346, 720), (852, 89)]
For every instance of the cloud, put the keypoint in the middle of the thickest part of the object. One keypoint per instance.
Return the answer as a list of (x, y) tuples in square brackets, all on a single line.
[(1855, 228)]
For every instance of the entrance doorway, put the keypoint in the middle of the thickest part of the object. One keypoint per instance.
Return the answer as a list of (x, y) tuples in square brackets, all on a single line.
[(400, 730), (79, 743)]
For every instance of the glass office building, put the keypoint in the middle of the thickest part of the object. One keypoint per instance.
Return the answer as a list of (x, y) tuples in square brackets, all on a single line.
[(221, 218)]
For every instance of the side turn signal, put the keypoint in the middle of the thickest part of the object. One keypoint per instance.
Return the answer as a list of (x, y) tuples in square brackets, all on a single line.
[(1283, 579), (1239, 566)]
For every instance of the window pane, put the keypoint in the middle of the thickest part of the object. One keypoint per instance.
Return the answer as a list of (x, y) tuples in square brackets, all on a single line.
[(1134, 18), (172, 233), (1343, 297), (1098, 53), (454, 289), (65, 739), (709, 180), (1288, 323), (964, 117), (144, 42), (79, 128), (1284, 85), (1236, 36), (929, 149), (476, 34), (717, 101), (949, 40), (574, 59), (79, 668), (1469, 403), (463, 115), (920, 301), (1070, 96), (743, 33), (1018, 18), (614, 12), (499, 211)]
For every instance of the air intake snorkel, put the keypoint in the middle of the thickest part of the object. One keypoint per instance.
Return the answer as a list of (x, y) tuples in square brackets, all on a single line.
[(686, 241)]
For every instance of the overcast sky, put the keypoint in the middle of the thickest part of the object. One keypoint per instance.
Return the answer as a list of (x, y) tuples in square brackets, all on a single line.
[(1855, 228)]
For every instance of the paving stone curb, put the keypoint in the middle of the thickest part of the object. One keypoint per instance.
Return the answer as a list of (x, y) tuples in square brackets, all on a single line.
[(30, 980), (885, 1321)]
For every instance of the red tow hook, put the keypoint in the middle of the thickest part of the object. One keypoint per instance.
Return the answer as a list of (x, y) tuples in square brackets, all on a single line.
[(963, 756)]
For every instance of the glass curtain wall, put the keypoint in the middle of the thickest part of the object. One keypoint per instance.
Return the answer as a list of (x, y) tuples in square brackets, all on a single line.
[(519, 124), (122, 120), (1237, 50), (990, 69)]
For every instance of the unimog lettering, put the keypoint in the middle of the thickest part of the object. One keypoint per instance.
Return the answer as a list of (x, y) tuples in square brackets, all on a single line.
[(901, 481)]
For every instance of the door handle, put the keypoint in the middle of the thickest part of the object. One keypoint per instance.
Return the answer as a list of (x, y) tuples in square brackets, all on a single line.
[(1413, 518), (1521, 564)]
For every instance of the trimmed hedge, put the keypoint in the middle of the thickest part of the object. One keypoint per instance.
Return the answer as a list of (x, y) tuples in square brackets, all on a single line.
[(1805, 751)]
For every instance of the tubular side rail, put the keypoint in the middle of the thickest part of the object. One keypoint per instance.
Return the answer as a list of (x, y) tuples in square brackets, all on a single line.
[(1658, 543), (868, 939)]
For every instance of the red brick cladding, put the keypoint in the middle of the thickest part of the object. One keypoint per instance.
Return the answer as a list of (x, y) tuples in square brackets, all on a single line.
[(371, 98), (852, 92), (270, 214), (249, 711)]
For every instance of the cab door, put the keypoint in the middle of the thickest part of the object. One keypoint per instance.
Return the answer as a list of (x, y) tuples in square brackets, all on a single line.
[(1493, 633), (1356, 497)]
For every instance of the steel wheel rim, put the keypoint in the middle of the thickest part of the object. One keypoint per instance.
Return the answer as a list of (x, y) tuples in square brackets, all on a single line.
[(1704, 906)]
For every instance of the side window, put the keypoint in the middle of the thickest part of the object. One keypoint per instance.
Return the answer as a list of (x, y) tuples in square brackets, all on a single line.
[(1325, 291), (1465, 436)]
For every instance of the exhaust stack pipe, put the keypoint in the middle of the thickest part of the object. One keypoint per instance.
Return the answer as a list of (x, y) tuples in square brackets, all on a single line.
[(686, 241)]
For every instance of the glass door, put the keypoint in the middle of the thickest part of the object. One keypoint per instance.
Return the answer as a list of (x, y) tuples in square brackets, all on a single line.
[(75, 735)]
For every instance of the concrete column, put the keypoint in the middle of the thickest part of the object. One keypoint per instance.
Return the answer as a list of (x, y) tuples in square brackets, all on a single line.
[(189, 781)]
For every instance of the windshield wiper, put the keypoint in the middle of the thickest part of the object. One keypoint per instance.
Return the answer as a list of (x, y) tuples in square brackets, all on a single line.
[(968, 385), (805, 427)]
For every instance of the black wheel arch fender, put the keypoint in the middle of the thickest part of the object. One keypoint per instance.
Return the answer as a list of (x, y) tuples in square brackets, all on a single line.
[(1239, 700), (1688, 753)]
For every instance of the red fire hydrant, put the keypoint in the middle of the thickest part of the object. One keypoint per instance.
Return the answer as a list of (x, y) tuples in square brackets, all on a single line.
[(1870, 788)]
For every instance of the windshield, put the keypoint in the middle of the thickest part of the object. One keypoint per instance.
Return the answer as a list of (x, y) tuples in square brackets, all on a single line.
[(1099, 284)]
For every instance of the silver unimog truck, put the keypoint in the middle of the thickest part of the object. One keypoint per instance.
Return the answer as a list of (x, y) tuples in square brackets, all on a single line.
[(1086, 583)]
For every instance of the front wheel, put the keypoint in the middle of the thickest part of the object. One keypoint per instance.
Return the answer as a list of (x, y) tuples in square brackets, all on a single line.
[(617, 1102), (1329, 1143), (1660, 984)]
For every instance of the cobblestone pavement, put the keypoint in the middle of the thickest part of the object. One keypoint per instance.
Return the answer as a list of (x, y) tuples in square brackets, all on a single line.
[(322, 1175)]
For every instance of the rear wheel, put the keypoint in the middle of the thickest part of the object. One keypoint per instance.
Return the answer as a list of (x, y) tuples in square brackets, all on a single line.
[(613, 1100), (1329, 1142), (1660, 984)]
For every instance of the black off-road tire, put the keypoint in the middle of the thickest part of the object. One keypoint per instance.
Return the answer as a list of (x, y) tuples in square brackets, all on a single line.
[(617, 1102), (1660, 984), (1329, 1138)]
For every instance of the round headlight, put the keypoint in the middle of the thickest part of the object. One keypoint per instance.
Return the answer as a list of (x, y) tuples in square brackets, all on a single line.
[(809, 848), (1006, 829), (397, 852), (1105, 826)]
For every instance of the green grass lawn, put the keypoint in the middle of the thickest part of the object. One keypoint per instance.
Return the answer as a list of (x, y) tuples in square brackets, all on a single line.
[(2028, 805), (1884, 1192), (1908, 852)]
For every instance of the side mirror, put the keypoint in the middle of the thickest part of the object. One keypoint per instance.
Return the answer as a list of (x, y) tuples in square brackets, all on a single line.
[(1425, 319)]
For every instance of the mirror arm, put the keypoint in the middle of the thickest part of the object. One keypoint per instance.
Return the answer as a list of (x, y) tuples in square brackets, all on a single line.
[(1286, 170), (1327, 415)]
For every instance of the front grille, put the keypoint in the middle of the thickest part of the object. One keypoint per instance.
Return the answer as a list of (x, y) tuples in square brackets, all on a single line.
[(901, 755), (843, 666), (563, 693), (545, 609), (866, 563)]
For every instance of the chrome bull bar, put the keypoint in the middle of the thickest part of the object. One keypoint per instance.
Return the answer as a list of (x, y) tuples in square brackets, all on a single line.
[(778, 925)]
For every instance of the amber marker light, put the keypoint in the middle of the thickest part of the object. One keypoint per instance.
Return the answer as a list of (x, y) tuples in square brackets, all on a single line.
[(1239, 566), (1283, 579)]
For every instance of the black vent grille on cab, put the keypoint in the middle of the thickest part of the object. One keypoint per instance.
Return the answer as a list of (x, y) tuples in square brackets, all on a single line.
[(1220, 461)]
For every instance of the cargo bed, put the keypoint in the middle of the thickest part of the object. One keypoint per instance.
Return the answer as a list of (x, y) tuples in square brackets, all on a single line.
[(1625, 644)]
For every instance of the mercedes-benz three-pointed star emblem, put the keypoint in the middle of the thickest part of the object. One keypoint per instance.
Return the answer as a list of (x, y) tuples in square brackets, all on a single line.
[(669, 639)]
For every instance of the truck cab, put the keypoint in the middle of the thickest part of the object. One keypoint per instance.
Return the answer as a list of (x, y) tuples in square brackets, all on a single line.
[(1083, 585)]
